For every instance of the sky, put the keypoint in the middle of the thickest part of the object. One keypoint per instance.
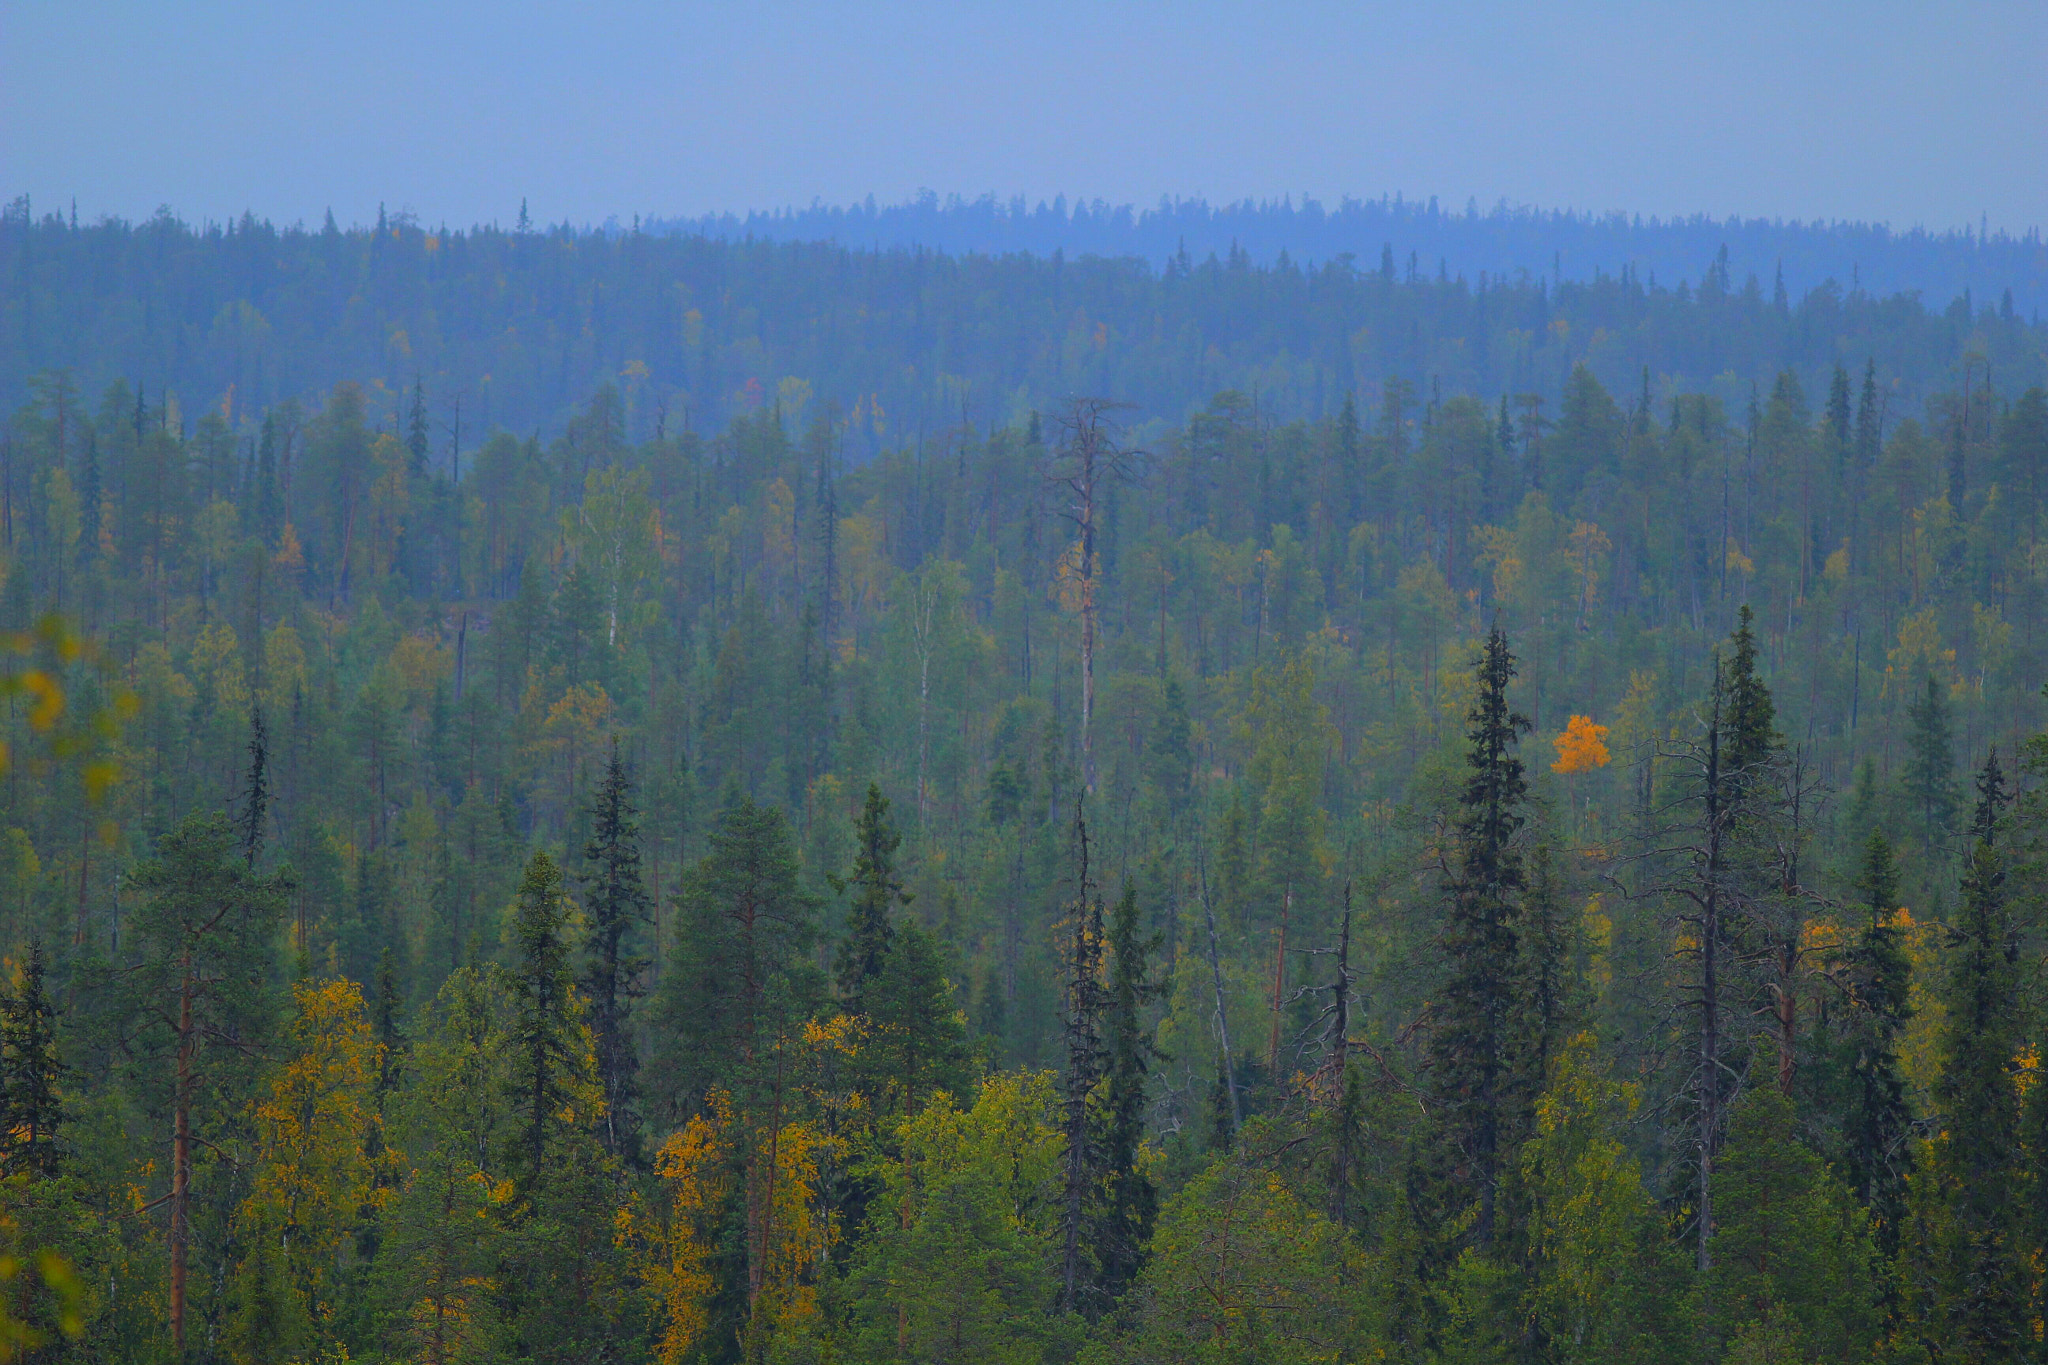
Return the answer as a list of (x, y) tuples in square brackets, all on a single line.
[(1913, 114)]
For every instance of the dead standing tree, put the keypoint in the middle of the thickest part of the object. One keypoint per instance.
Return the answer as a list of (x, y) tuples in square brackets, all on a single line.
[(1089, 458), (1712, 848)]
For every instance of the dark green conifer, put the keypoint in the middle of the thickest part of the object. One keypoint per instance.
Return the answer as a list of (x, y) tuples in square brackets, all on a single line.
[(1967, 1278), (1879, 1136), (616, 903), (548, 1056), (864, 952), (1930, 762), (1469, 1069), (1129, 1202), (31, 1105)]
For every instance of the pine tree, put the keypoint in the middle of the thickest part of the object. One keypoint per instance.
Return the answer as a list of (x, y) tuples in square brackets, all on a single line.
[(1879, 1127), (202, 937), (616, 903), (1469, 1069), (31, 1105)]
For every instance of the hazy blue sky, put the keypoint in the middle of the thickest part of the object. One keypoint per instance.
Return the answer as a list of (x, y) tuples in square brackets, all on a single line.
[(1912, 113)]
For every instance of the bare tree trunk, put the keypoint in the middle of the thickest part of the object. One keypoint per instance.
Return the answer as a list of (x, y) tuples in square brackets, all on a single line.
[(1216, 978)]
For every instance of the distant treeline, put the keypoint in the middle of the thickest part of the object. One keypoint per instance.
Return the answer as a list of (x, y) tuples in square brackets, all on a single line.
[(1503, 241), (515, 328)]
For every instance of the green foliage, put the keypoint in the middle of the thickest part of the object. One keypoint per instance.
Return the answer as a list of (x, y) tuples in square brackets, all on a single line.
[(664, 651), (1471, 1073), (549, 1043), (1790, 1251), (1243, 1271)]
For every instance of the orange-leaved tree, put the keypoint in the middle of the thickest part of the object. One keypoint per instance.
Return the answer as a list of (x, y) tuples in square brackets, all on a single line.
[(1582, 746)]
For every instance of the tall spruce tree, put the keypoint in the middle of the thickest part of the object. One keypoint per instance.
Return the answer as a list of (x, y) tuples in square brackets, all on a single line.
[(1931, 763), (864, 952), (256, 788), (615, 905), (1085, 1006), (1968, 1294), (1749, 717), (1879, 1129), (1128, 1200), (1469, 1067), (548, 1053), (31, 1105)]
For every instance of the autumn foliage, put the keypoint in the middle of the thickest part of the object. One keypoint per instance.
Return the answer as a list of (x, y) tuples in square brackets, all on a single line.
[(1581, 748)]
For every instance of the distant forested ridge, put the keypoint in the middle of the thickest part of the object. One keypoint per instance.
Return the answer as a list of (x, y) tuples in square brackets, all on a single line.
[(1505, 242), (1490, 866), (518, 327)]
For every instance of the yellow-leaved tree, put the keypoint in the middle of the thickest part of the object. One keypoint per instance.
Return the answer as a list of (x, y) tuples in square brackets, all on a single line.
[(789, 1232), (321, 1149)]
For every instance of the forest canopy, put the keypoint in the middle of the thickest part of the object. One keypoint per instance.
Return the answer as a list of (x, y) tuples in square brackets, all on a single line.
[(515, 327), (1411, 819)]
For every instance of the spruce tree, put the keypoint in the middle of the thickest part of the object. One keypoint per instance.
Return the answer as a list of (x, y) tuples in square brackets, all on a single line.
[(1084, 1009), (1838, 419), (201, 941), (416, 433), (1544, 986), (1469, 1069), (864, 952), (616, 903), (1123, 1223), (742, 977), (1791, 1258), (1879, 1128), (1350, 469), (546, 1047), (1968, 1293), (1749, 718), (256, 793), (1869, 420), (31, 1106), (1930, 763)]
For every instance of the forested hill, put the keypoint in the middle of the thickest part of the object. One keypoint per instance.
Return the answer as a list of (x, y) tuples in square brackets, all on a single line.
[(1502, 241), (1489, 864), (516, 328), (1480, 873)]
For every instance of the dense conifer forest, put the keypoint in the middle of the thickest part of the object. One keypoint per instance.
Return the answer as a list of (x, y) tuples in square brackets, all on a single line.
[(581, 797)]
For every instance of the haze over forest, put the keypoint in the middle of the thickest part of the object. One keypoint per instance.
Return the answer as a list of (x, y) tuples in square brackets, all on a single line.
[(970, 781)]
